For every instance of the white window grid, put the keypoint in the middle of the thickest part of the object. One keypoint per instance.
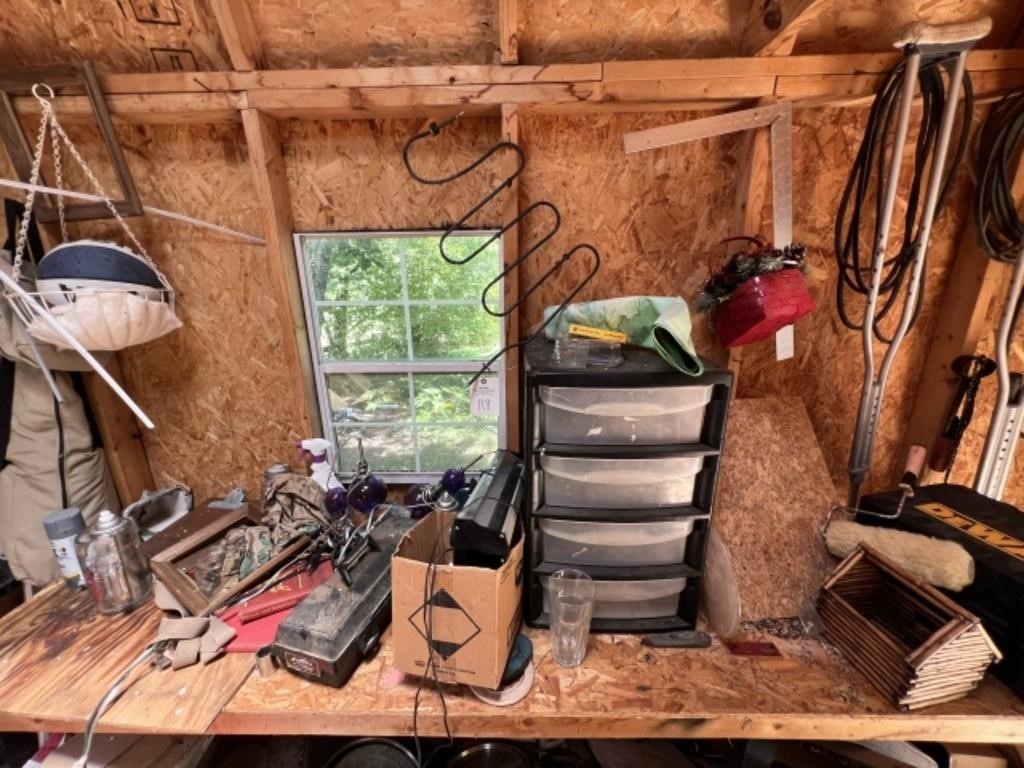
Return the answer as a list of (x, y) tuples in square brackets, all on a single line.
[(322, 368)]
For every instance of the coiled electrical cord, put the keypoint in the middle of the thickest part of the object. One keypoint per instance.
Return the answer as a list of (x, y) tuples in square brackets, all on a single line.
[(434, 130), (999, 144), (868, 178)]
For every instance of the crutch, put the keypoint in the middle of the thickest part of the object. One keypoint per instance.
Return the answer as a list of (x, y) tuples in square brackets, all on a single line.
[(1004, 429), (917, 41)]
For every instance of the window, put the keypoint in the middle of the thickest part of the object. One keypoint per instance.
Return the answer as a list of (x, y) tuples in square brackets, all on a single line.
[(396, 332)]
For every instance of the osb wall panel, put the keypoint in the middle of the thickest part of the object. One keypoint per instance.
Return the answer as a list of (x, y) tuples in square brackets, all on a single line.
[(117, 35), (328, 33), (222, 403), (654, 216), (774, 493), (350, 175), (873, 25), (566, 30), (827, 369), (969, 456)]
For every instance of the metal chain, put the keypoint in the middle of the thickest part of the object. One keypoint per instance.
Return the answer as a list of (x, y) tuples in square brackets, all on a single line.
[(58, 173), (37, 159), (49, 119), (106, 199)]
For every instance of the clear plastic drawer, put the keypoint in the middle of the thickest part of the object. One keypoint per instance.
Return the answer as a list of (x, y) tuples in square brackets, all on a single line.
[(618, 416), (617, 544), (649, 599), (571, 481)]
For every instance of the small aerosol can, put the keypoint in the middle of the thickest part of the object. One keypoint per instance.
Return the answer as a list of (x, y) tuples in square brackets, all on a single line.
[(61, 529), (115, 568)]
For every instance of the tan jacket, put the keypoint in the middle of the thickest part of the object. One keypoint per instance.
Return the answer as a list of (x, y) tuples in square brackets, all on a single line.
[(30, 483)]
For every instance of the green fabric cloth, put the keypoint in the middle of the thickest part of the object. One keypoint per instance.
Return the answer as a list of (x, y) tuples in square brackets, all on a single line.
[(661, 323)]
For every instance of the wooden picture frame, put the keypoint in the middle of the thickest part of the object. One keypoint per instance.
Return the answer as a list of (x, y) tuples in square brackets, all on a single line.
[(166, 564), (69, 78)]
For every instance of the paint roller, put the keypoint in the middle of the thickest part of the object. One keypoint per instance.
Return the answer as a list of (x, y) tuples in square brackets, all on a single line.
[(942, 563)]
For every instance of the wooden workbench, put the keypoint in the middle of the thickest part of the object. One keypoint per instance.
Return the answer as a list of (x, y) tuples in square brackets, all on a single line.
[(57, 657)]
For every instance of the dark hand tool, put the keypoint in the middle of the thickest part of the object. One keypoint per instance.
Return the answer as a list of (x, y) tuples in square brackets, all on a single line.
[(971, 369), (681, 639)]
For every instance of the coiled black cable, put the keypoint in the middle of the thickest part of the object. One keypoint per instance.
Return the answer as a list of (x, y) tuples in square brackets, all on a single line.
[(1000, 142), (433, 130), (868, 178)]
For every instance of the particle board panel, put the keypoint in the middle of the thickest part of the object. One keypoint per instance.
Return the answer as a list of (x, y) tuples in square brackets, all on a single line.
[(624, 690), (774, 492), (225, 401), (968, 457), (59, 657), (654, 216), (872, 25), (321, 33), (350, 176), (117, 35), (827, 368), (563, 30)]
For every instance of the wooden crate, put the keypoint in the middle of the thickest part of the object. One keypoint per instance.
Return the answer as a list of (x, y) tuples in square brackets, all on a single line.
[(913, 643)]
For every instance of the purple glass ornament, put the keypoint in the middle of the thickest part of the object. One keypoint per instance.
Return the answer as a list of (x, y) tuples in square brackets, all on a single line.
[(419, 499), (336, 502), (366, 492), (453, 479)]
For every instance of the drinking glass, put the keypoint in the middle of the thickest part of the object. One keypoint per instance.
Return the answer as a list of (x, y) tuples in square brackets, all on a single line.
[(570, 607)]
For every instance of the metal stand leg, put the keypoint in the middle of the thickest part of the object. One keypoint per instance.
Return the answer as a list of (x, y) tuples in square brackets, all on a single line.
[(1004, 430), (870, 398)]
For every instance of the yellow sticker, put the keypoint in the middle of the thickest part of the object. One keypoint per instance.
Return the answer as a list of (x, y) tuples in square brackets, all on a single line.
[(589, 332)]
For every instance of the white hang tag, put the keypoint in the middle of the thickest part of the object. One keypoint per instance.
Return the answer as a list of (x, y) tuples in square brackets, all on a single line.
[(483, 396), (784, 343)]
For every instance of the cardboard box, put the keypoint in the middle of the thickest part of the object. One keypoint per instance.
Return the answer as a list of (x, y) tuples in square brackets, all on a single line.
[(475, 612)]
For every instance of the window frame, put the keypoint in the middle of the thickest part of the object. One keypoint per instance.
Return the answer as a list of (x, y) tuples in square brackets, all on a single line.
[(322, 369)]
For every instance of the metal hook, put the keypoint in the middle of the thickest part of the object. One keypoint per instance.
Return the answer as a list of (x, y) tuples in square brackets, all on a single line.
[(49, 90)]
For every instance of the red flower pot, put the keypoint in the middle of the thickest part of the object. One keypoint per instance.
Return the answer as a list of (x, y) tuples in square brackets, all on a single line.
[(761, 306)]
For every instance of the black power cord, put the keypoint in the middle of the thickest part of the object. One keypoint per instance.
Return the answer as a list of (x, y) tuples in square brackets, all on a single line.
[(433, 130), (999, 144), (437, 554), (868, 178)]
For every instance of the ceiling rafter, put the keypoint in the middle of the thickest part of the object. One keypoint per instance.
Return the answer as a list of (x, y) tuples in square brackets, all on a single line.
[(237, 29), (772, 26)]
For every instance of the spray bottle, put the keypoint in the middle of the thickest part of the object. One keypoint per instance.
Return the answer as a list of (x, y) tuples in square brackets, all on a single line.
[(320, 467)]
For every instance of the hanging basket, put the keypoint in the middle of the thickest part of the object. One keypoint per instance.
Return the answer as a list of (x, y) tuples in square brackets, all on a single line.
[(106, 296), (761, 306)]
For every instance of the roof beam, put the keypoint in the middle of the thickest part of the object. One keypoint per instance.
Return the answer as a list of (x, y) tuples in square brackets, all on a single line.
[(807, 81), (508, 31), (773, 25), (271, 184), (238, 31)]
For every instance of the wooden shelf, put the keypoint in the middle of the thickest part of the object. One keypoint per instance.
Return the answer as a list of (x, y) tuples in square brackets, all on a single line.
[(57, 657)]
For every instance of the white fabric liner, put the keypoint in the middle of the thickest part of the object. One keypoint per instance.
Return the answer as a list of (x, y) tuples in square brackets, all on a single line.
[(108, 321)]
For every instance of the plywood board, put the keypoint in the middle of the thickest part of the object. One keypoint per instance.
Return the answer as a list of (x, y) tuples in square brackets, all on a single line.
[(625, 690), (298, 34), (827, 368), (969, 456), (58, 657), (654, 216), (122, 36), (563, 30), (350, 175), (873, 25), (774, 492), (224, 402)]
